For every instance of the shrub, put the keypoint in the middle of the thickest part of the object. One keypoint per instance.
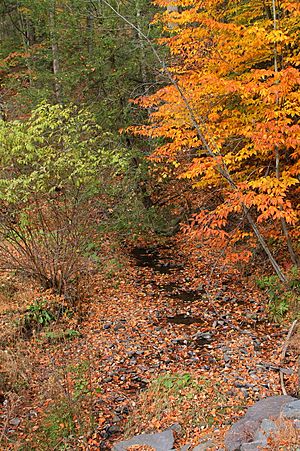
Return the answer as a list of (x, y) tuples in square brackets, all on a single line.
[(52, 167)]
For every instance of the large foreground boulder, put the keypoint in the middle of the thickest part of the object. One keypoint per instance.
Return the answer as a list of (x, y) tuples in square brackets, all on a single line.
[(252, 431), (161, 441)]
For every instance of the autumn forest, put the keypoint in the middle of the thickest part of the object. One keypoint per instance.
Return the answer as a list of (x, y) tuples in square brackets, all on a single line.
[(149, 223)]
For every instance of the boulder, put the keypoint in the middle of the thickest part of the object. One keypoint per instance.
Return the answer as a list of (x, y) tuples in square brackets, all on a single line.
[(244, 431), (292, 410), (161, 441)]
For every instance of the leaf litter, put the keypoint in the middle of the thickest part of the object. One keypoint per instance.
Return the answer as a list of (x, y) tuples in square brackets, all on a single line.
[(134, 368)]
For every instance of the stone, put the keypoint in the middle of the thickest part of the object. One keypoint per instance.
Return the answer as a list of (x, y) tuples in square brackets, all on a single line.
[(116, 419), (297, 424), (161, 441), (15, 421), (227, 358), (243, 431), (267, 427), (186, 447), (292, 410), (204, 446), (176, 427), (113, 429), (253, 446)]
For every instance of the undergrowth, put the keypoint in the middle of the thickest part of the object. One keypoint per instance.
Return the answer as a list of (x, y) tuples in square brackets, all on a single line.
[(176, 398), (284, 298)]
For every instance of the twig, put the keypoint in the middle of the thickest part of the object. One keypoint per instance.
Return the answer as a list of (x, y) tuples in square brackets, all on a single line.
[(283, 353)]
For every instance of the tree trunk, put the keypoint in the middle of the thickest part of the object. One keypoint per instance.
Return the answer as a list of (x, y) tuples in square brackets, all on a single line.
[(55, 53), (90, 29)]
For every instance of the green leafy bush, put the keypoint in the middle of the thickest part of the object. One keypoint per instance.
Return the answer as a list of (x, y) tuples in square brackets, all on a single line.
[(52, 168)]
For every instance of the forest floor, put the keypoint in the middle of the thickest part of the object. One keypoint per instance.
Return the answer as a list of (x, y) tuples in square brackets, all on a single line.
[(168, 336)]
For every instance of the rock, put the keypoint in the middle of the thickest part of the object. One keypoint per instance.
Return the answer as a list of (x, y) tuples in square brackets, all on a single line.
[(119, 326), (292, 410), (113, 429), (176, 427), (186, 447), (108, 379), (266, 427), (243, 431), (161, 441), (253, 446), (297, 424), (245, 393), (32, 414), (116, 419), (204, 446), (15, 421), (227, 358)]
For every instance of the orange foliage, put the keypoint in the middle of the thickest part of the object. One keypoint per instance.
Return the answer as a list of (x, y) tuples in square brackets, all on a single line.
[(238, 66)]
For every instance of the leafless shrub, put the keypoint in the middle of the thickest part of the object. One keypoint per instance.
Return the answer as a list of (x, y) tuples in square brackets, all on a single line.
[(46, 241)]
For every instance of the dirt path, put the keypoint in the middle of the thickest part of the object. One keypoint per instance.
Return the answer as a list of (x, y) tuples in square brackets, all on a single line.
[(160, 343), (163, 320)]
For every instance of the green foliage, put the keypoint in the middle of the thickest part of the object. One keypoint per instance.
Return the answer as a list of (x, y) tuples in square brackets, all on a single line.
[(176, 395), (37, 316), (57, 148), (284, 298), (58, 336), (70, 414), (101, 61), (58, 426), (175, 381), (56, 170)]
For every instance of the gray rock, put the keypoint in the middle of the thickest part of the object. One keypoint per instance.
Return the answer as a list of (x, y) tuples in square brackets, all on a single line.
[(113, 429), (267, 427), (292, 410), (15, 421), (253, 446), (297, 424), (204, 446), (243, 431), (176, 427), (185, 447), (162, 441)]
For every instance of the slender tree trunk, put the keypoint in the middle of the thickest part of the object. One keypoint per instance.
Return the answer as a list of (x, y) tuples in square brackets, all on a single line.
[(2, 110), (26, 34), (90, 29), (141, 44), (55, 53)]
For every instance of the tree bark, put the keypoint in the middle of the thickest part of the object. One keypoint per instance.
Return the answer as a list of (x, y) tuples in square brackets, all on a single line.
[(55, 53), (90, 29)]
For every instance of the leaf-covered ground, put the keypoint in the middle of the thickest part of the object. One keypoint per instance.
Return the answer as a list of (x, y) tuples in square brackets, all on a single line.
[(168, 336)]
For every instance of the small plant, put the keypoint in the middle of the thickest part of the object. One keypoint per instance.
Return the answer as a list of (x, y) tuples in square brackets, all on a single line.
[(57, 336), (37, 316), (58, 426), (112, 267), (283, 297), (70, 413)]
